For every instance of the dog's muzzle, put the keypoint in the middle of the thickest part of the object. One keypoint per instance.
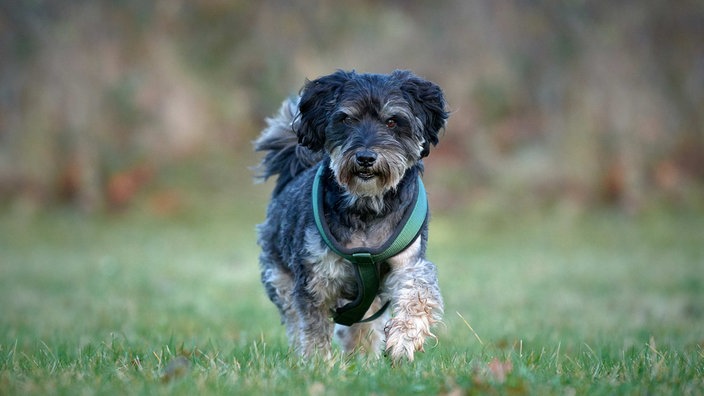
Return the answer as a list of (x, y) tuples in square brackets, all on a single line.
[(365, 160)]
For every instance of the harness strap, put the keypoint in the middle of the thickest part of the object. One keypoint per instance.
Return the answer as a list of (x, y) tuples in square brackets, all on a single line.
[(367, 260)]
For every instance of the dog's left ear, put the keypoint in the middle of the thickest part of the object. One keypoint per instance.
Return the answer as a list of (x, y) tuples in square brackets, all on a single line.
[(428, 104), (318, 101)]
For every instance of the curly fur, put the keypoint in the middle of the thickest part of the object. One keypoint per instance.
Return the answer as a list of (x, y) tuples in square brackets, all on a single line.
[(370, 132)]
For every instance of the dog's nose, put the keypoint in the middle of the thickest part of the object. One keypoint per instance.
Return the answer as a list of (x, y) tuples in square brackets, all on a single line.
[(365, 158)]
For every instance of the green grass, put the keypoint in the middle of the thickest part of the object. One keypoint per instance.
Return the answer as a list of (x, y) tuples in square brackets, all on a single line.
[(140, 304)]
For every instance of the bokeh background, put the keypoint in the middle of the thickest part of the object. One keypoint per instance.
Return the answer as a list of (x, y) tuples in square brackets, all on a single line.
[(567, 191), (106, 106)]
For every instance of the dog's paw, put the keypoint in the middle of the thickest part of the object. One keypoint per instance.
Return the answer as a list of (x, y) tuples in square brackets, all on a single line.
[(405, 336)]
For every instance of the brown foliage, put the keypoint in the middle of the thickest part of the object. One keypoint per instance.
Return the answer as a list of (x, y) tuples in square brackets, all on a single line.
[(604, 98)]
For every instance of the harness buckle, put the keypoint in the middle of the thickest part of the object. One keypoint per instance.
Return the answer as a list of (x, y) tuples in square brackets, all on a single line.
[(362, 258)]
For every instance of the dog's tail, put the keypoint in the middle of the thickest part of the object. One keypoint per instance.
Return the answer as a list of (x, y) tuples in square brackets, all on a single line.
[(284, 156)]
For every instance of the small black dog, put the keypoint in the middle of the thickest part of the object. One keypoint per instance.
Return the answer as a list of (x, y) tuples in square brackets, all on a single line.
[(346, 229)]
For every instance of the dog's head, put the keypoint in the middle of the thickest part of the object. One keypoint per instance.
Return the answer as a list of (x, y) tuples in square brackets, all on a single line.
[(374, 127)]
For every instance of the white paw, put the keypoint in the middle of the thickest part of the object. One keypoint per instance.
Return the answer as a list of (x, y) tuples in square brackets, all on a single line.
[(405, 336)]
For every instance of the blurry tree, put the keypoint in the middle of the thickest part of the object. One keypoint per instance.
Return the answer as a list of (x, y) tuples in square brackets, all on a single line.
[(583, 102)]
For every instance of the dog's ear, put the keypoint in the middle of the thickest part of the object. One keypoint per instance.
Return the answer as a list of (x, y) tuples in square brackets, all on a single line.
[(318, 101), (428, 104)]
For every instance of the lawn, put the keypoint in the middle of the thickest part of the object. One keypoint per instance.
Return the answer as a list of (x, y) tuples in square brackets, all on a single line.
[(536, 303)]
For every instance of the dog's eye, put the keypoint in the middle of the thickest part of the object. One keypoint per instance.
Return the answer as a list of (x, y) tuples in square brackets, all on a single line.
[(391, 123), (348, 120)]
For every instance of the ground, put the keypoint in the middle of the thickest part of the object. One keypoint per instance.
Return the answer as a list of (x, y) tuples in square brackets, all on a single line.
[(543, 302)]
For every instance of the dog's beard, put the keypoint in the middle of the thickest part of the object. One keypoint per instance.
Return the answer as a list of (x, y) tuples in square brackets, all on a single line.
[(368, 182)]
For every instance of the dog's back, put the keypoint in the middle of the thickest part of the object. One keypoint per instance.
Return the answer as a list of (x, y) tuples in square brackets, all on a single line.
[(284, 157)]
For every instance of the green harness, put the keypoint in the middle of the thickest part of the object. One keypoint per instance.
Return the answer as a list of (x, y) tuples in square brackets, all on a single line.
[(367, 261)]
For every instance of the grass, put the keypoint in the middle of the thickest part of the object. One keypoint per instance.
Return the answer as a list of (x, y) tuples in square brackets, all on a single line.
[(141, 304)]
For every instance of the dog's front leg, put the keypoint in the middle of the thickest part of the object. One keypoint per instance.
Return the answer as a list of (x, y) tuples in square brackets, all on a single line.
[(417, 304), (315, 326), (316, 333)]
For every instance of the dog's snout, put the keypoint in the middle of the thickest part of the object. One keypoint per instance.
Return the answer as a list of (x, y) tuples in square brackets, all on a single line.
[(365, 158)]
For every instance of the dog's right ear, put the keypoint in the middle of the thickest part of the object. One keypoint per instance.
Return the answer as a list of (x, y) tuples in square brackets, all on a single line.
[(318, 101)]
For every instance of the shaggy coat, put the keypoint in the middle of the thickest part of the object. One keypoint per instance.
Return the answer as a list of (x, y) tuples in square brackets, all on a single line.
[(369, 132)]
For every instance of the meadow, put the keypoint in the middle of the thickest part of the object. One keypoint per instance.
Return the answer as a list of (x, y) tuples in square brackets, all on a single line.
[(567, 194), (537, 302)]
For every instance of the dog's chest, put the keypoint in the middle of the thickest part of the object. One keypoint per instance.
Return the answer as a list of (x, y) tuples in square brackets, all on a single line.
[(332, 276), (370, 236)]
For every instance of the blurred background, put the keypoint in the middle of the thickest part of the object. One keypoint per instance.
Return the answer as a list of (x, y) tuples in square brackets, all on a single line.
[(576, 105)]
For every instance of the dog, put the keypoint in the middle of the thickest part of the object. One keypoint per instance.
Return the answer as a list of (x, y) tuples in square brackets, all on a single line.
[(347, 153)]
